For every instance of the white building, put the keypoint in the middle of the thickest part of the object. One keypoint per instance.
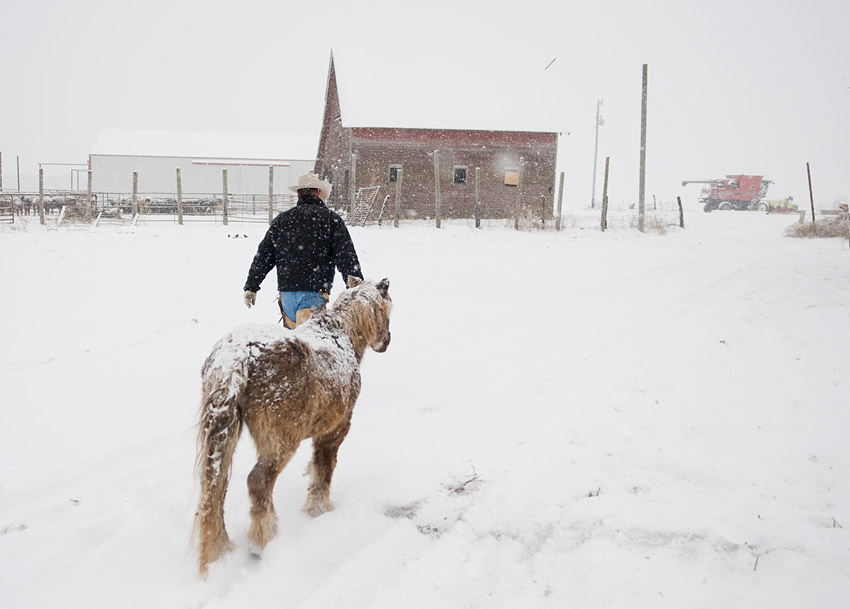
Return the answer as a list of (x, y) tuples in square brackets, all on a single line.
[(200, 156)]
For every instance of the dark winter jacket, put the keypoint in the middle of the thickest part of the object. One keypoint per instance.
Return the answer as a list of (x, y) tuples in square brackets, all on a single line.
[(306, 243)]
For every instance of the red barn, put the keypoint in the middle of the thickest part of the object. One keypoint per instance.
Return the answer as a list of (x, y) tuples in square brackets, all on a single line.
[(375, 125)]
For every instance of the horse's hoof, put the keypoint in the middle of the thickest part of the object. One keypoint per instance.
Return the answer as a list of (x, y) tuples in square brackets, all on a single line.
[(317, 508)]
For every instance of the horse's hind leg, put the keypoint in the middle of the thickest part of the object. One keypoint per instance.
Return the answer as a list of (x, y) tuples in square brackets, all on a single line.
[(321, 469), (260, 487)]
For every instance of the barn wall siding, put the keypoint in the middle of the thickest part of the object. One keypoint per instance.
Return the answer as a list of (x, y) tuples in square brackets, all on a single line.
[(494, 152)]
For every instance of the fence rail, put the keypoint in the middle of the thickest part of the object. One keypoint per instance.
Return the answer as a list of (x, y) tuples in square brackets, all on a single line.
[(145, 207)]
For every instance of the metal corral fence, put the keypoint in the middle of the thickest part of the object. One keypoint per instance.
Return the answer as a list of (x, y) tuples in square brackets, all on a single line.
[(120, 208), (192, 207), (216, 208), (25, 204)]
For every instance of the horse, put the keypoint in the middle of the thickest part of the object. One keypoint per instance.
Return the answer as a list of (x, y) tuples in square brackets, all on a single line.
[(285, 386)]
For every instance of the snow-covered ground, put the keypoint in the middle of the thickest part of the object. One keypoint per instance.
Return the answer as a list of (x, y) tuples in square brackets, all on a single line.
[(570, 419)]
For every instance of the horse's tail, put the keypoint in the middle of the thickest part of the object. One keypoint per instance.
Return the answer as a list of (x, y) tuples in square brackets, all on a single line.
[(218, 432)]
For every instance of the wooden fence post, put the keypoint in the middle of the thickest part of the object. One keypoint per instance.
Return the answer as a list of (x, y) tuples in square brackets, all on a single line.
[(352, 185), (271, 194), (477, 197), (642, 187), (518, 196), (543, 211), (681, 213), (224, 196), (399, 179), (179, 198), (437, 201), (811, 198), (604, 221), (560, 201), (41, 195), (135, 209), (87, 214)]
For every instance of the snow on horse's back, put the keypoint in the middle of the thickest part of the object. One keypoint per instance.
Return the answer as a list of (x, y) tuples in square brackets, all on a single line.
[(285, 386)]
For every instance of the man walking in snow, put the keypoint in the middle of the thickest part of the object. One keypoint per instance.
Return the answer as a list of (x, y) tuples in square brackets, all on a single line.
[(306, 243)]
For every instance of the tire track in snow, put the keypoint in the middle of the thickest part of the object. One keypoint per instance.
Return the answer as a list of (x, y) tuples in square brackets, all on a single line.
[(629, 331)]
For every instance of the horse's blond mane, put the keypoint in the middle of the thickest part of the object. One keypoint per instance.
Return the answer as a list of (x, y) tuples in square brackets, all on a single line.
[(361, 312)]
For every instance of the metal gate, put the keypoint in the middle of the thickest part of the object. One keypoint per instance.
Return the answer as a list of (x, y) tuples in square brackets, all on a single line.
[(7, 209)]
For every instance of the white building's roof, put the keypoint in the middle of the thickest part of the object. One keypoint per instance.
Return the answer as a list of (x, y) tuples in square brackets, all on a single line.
[(411, 88), (119, 142)]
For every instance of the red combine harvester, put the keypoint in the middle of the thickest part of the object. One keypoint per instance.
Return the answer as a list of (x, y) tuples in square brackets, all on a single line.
[(734, 192)]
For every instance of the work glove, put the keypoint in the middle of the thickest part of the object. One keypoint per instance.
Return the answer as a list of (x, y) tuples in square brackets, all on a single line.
[(250, 298)]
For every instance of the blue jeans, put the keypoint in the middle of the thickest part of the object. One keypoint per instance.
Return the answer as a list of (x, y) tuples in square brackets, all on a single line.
[(293, 302)]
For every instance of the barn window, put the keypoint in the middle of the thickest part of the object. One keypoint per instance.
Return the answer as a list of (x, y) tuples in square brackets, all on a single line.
[(394, 169), (511, 177), (460, 174)]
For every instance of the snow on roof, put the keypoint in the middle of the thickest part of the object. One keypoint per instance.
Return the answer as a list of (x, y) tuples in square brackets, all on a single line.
[(120, 142), (413, 88)]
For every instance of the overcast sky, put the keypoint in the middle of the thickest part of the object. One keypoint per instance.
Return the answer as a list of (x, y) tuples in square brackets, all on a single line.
[(734, 86)]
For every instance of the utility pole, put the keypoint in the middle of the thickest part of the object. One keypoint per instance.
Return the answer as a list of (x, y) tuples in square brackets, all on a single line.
[(599, 123)]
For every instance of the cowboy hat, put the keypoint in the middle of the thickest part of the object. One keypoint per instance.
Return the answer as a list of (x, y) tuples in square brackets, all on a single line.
[(310, 180)]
